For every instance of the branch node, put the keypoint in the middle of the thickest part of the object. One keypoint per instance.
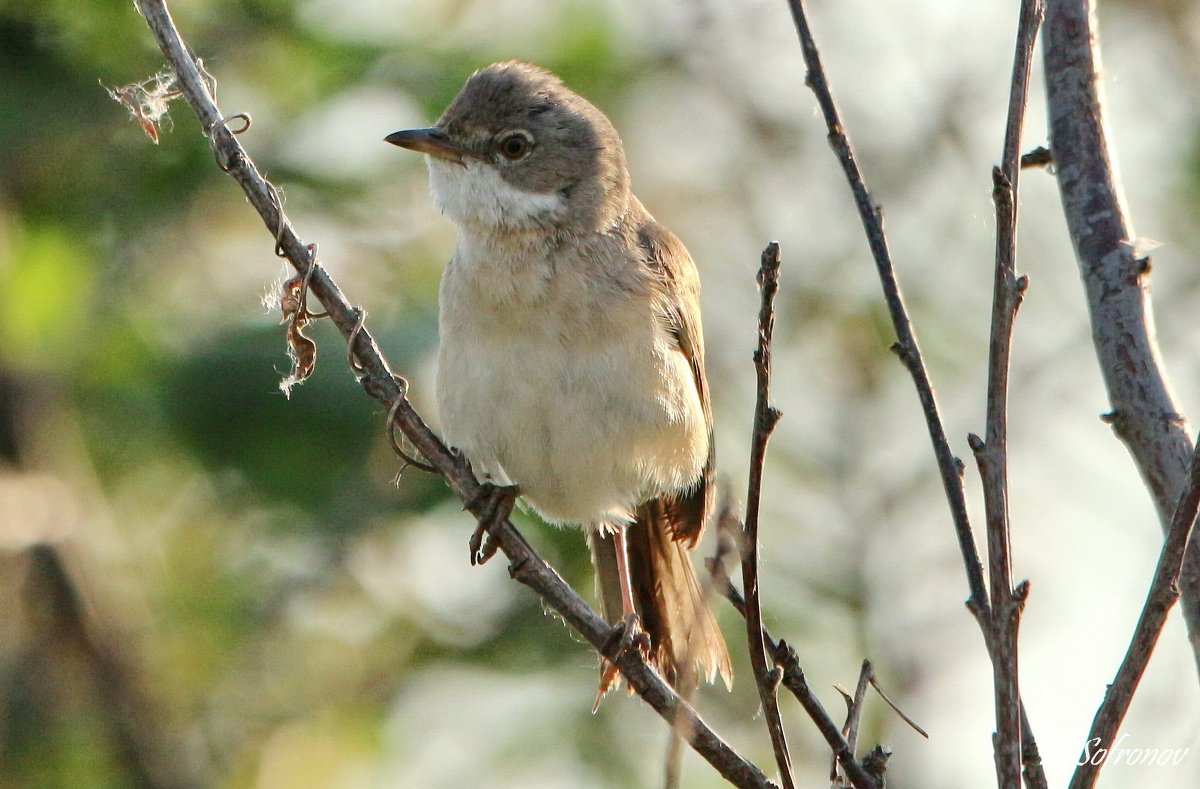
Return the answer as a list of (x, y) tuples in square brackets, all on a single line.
[(875, 762), (1000, 183)]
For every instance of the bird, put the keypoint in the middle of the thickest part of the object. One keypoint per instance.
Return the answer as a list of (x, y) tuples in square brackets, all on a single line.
[(571, 352)]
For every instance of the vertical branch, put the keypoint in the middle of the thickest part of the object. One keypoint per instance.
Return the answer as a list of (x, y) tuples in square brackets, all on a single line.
[(765, 419), (1115, 275), (1163, 594), (992, 454)]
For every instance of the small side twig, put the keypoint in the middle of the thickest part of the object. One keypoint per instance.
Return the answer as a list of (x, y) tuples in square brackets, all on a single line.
[(855, 704), (765, 419), (1164, 593), (785, 658)]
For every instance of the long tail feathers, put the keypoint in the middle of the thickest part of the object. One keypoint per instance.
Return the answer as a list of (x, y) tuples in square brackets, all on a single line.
[(686, 644)]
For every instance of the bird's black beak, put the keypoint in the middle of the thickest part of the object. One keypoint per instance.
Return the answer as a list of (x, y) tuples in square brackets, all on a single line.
[(432, 141)]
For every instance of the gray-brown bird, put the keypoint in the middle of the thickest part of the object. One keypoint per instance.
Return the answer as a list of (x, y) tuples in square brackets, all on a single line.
[(571, 362)]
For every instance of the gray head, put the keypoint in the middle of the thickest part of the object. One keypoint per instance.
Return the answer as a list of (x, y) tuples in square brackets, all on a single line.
[(517, 149)]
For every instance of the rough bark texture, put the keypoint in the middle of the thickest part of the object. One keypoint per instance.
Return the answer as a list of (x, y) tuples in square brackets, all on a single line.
[(1115, 275)]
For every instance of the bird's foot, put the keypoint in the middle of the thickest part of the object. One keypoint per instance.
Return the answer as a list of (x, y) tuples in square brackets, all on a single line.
[(626, 634), (491, 505)]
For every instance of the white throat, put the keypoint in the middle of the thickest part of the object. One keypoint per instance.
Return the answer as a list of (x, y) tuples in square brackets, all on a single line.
[(474, 194)]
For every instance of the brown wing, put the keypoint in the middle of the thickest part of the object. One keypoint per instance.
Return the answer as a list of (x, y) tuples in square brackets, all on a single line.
[(669, 259)]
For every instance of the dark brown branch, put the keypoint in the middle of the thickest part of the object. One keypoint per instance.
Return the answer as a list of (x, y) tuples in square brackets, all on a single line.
[(1144, 413), (377, 379), (906, 347), (765, 419), (992, 454), (793, 679), (1163, 594)]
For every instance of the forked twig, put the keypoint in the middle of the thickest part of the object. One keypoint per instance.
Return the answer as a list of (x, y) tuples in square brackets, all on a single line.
[(856, 702)]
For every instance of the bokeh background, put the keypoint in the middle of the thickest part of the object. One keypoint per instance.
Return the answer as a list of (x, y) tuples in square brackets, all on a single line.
[(203, 583)]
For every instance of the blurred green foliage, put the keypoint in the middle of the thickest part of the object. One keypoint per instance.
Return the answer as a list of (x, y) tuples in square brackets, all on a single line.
[(232, 507)]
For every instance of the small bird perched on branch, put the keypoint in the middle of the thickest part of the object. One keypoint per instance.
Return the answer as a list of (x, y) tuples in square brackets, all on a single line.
[(571, 364)]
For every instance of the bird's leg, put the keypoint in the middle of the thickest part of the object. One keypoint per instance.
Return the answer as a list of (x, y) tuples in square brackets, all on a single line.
[(491, 505), (629, 631), (628, 610)]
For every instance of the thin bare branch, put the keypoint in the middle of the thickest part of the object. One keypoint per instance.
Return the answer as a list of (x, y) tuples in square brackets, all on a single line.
[(992, 453), (793, 679), (1163, 594), (855, 704), (765, 419), (1115, 273), (906, 346), (377, 379)]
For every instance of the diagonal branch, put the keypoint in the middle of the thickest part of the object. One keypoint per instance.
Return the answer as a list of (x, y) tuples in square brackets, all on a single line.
[(1163, 594), (1115, 275), (793, 678), (906, 346), (765, 419), (992, 454), (377, 379)]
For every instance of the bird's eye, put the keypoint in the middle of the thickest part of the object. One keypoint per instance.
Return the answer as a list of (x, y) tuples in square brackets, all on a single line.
[(515, 145)]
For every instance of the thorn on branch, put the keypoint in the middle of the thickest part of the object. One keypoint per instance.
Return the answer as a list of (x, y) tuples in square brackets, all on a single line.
[(1038, 157), (976, 443)]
